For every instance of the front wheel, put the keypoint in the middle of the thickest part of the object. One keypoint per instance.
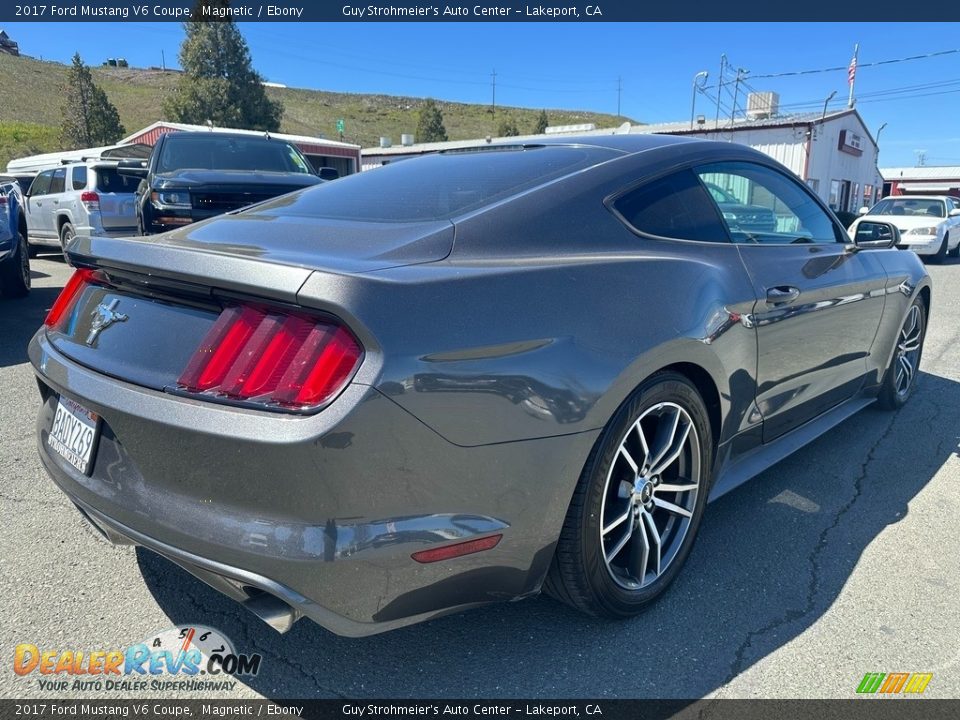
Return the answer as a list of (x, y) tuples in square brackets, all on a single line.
[(939, 256), (638, 504), (901, 376), (955, 252)]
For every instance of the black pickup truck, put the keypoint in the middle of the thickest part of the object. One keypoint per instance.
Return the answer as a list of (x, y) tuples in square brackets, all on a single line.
[(193, 176)]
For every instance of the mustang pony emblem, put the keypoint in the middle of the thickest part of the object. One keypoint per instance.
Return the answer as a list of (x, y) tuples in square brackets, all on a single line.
[(103, 317)]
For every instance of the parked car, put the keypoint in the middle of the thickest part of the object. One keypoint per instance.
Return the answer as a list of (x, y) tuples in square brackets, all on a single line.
[(929, 224), (81, 198), (14, 256), (193, 176), (466, 377), (747, 217)]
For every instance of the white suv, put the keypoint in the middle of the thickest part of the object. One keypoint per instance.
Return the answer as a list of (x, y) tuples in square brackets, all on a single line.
[(88, 198)]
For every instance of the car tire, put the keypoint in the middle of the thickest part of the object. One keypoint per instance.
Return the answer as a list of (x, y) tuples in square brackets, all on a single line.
[(955, 252), (67, 234), (622, 488), (15, 272), (939, 256), (900, 377)]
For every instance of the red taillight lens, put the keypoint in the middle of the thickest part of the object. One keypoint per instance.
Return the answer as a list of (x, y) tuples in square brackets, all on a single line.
[(272, 358), (68, 296), (90, 199)]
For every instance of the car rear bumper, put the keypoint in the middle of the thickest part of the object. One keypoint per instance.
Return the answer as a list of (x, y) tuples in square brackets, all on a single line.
[(320, 513)]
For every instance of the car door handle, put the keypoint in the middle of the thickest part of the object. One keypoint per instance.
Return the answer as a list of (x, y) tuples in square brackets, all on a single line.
[(782, 294)]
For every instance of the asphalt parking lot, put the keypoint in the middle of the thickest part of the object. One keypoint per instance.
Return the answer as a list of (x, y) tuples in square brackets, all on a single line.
[(841, 560)]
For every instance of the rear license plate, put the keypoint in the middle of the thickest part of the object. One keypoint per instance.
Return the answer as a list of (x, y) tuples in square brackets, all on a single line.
[(74, 433)]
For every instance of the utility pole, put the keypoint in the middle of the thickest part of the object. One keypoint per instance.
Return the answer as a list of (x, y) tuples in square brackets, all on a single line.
[(163, 59), (736, 91), (493, 105), (723, 68), (619, 90)]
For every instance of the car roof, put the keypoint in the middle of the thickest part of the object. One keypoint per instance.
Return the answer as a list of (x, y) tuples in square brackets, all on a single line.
[(918, 197), (622, 143), (228, 135)]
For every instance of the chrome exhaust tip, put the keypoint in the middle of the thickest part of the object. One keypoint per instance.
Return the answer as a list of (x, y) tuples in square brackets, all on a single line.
[(273, 611)]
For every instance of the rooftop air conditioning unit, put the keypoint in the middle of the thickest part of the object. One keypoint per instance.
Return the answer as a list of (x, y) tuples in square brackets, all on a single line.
[(762, 105)]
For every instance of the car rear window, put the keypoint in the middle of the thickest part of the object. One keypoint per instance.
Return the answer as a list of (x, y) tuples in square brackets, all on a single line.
[(442, 186), (110, 181), (191, 152)]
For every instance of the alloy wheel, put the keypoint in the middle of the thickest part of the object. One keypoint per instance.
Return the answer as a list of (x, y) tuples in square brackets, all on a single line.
[(650, 495), (908, 350)]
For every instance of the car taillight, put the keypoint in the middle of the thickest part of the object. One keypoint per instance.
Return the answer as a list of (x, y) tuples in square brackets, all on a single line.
[(68, 296), (272, 357), (90, 200)]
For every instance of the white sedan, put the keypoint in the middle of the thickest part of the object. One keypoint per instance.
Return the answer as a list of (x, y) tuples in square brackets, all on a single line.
[(929, 224)]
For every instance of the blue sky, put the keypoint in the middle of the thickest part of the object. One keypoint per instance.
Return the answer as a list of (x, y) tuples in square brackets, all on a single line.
[(576, 65)]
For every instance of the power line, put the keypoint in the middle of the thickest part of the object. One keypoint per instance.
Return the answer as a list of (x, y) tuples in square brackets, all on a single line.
[(876, 63)]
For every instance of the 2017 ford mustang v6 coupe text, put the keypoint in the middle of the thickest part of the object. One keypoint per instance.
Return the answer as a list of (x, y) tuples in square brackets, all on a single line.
[(467, 377)]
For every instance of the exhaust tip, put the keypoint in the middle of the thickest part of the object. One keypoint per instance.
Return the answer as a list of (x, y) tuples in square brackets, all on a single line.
[(272, 610)]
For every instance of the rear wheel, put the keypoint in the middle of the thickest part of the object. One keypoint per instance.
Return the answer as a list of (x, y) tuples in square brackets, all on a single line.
[(15, 272), (637, 507), (901, 376), (67, 234)]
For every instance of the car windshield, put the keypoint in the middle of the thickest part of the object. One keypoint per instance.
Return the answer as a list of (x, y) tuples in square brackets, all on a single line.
[(442, 186), (925, 207), (192, 152)]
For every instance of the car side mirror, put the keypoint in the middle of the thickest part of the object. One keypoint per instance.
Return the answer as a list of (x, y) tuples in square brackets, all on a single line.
[(955, 212), (132, 168), (879, 235), (328, 173), (863, 211)]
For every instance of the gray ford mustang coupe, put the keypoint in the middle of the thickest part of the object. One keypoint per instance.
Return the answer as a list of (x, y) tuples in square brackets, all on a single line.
[(468, 377)]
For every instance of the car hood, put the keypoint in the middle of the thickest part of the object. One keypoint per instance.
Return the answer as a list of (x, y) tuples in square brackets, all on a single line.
[(905, 222), (190, 178)]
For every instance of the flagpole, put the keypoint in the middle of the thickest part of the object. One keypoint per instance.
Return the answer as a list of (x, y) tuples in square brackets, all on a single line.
[(853, 74)]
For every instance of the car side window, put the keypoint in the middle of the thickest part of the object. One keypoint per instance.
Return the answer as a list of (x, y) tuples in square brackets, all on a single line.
[(79, 178), (41, 184), (763, 205), (675, 206), (57, 180)]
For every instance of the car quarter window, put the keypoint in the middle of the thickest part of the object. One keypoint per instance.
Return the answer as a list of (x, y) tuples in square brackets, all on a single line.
[(675, 206), (57, 180), (41, 183), (761, 205), (79, 177)]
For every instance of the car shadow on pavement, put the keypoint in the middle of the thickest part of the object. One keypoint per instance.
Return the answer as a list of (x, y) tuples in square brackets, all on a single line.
[(771, 559), (19, 320)]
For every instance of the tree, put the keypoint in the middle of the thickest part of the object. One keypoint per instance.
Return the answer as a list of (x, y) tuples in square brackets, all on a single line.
[(219, 83), (508, 128), (430, 125), (89, 118), (542, 123)]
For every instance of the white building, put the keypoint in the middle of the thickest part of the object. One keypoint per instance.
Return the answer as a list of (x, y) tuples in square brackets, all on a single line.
[(834, 153)]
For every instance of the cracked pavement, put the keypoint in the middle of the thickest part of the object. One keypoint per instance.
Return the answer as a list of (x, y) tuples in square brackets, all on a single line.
[(838, 561)]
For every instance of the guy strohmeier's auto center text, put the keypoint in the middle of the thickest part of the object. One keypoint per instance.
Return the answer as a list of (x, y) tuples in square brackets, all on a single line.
[(546, 12)]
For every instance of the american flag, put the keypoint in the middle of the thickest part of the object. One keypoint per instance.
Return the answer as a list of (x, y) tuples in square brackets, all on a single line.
[(852, 70)]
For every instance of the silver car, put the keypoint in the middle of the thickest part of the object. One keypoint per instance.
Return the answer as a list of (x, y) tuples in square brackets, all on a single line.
[(87, 198)]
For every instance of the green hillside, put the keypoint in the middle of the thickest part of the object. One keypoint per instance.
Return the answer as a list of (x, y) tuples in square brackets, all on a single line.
[(31, 111)]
